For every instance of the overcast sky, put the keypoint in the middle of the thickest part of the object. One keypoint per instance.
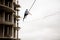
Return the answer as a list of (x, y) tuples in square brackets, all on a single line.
[(44, 23)]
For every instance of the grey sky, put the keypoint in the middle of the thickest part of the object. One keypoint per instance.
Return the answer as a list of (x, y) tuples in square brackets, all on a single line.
[(44, 23)]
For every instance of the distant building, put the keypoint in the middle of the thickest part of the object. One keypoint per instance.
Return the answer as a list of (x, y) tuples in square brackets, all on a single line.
[(9, 20)]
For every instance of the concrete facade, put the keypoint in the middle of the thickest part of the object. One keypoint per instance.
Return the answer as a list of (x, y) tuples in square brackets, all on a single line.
[(8, 18)]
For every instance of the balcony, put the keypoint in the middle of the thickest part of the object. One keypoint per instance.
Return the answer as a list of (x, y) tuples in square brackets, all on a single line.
[(16, 5), (16, 16), (16, 28), (6, 31), (7, 38), (6, 8), (7, 5), (6, 22)]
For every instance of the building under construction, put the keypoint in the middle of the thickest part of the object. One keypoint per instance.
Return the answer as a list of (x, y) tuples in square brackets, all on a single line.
[(9, 20)]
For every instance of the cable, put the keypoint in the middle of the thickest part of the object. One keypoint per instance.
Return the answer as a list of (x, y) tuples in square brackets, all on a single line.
[(32, 5), (46, 17)]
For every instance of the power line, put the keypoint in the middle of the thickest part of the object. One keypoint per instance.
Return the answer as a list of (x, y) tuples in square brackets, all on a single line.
[(32, 5), (46, 17)]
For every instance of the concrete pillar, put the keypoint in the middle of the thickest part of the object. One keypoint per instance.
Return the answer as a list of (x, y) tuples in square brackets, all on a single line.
[(3, 30), (4, 2), (8, 4), (3, 16), (12, 4), (15, 34), (12, 32), (12, 18), (7, 30)]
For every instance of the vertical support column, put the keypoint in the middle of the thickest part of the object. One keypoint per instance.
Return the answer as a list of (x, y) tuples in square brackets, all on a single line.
[(7, 30), (12, 6), (12, 18), (11, 3), (3, 16), (12, 32), (17, 30), (17, 23), (4, 2), (15, 33), (8, 4), (3, 30), (17, 26)]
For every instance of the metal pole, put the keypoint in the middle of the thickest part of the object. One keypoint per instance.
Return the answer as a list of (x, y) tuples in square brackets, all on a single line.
[(17, 23), (17, 26), (17, 29)]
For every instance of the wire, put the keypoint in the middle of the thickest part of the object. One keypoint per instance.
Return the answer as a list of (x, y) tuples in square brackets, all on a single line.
[(32, 5), (46, 17)]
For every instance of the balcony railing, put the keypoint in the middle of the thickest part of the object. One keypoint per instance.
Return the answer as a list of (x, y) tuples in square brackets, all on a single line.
[(6, 22), (6, 5)]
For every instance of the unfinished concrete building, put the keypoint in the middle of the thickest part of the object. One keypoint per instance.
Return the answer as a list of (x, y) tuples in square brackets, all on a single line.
[(9, 20)]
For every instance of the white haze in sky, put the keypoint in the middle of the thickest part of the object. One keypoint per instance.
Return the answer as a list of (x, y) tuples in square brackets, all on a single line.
[(44, 23)]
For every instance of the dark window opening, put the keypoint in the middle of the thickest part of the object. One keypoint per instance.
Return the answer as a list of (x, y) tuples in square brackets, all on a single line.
[(14, 8), (6, 2), (10, 4), (1, 15), (5, 31), (1, 1), (1, 30), (8, 31), (14, 20), (6, 16), (14, 32)]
